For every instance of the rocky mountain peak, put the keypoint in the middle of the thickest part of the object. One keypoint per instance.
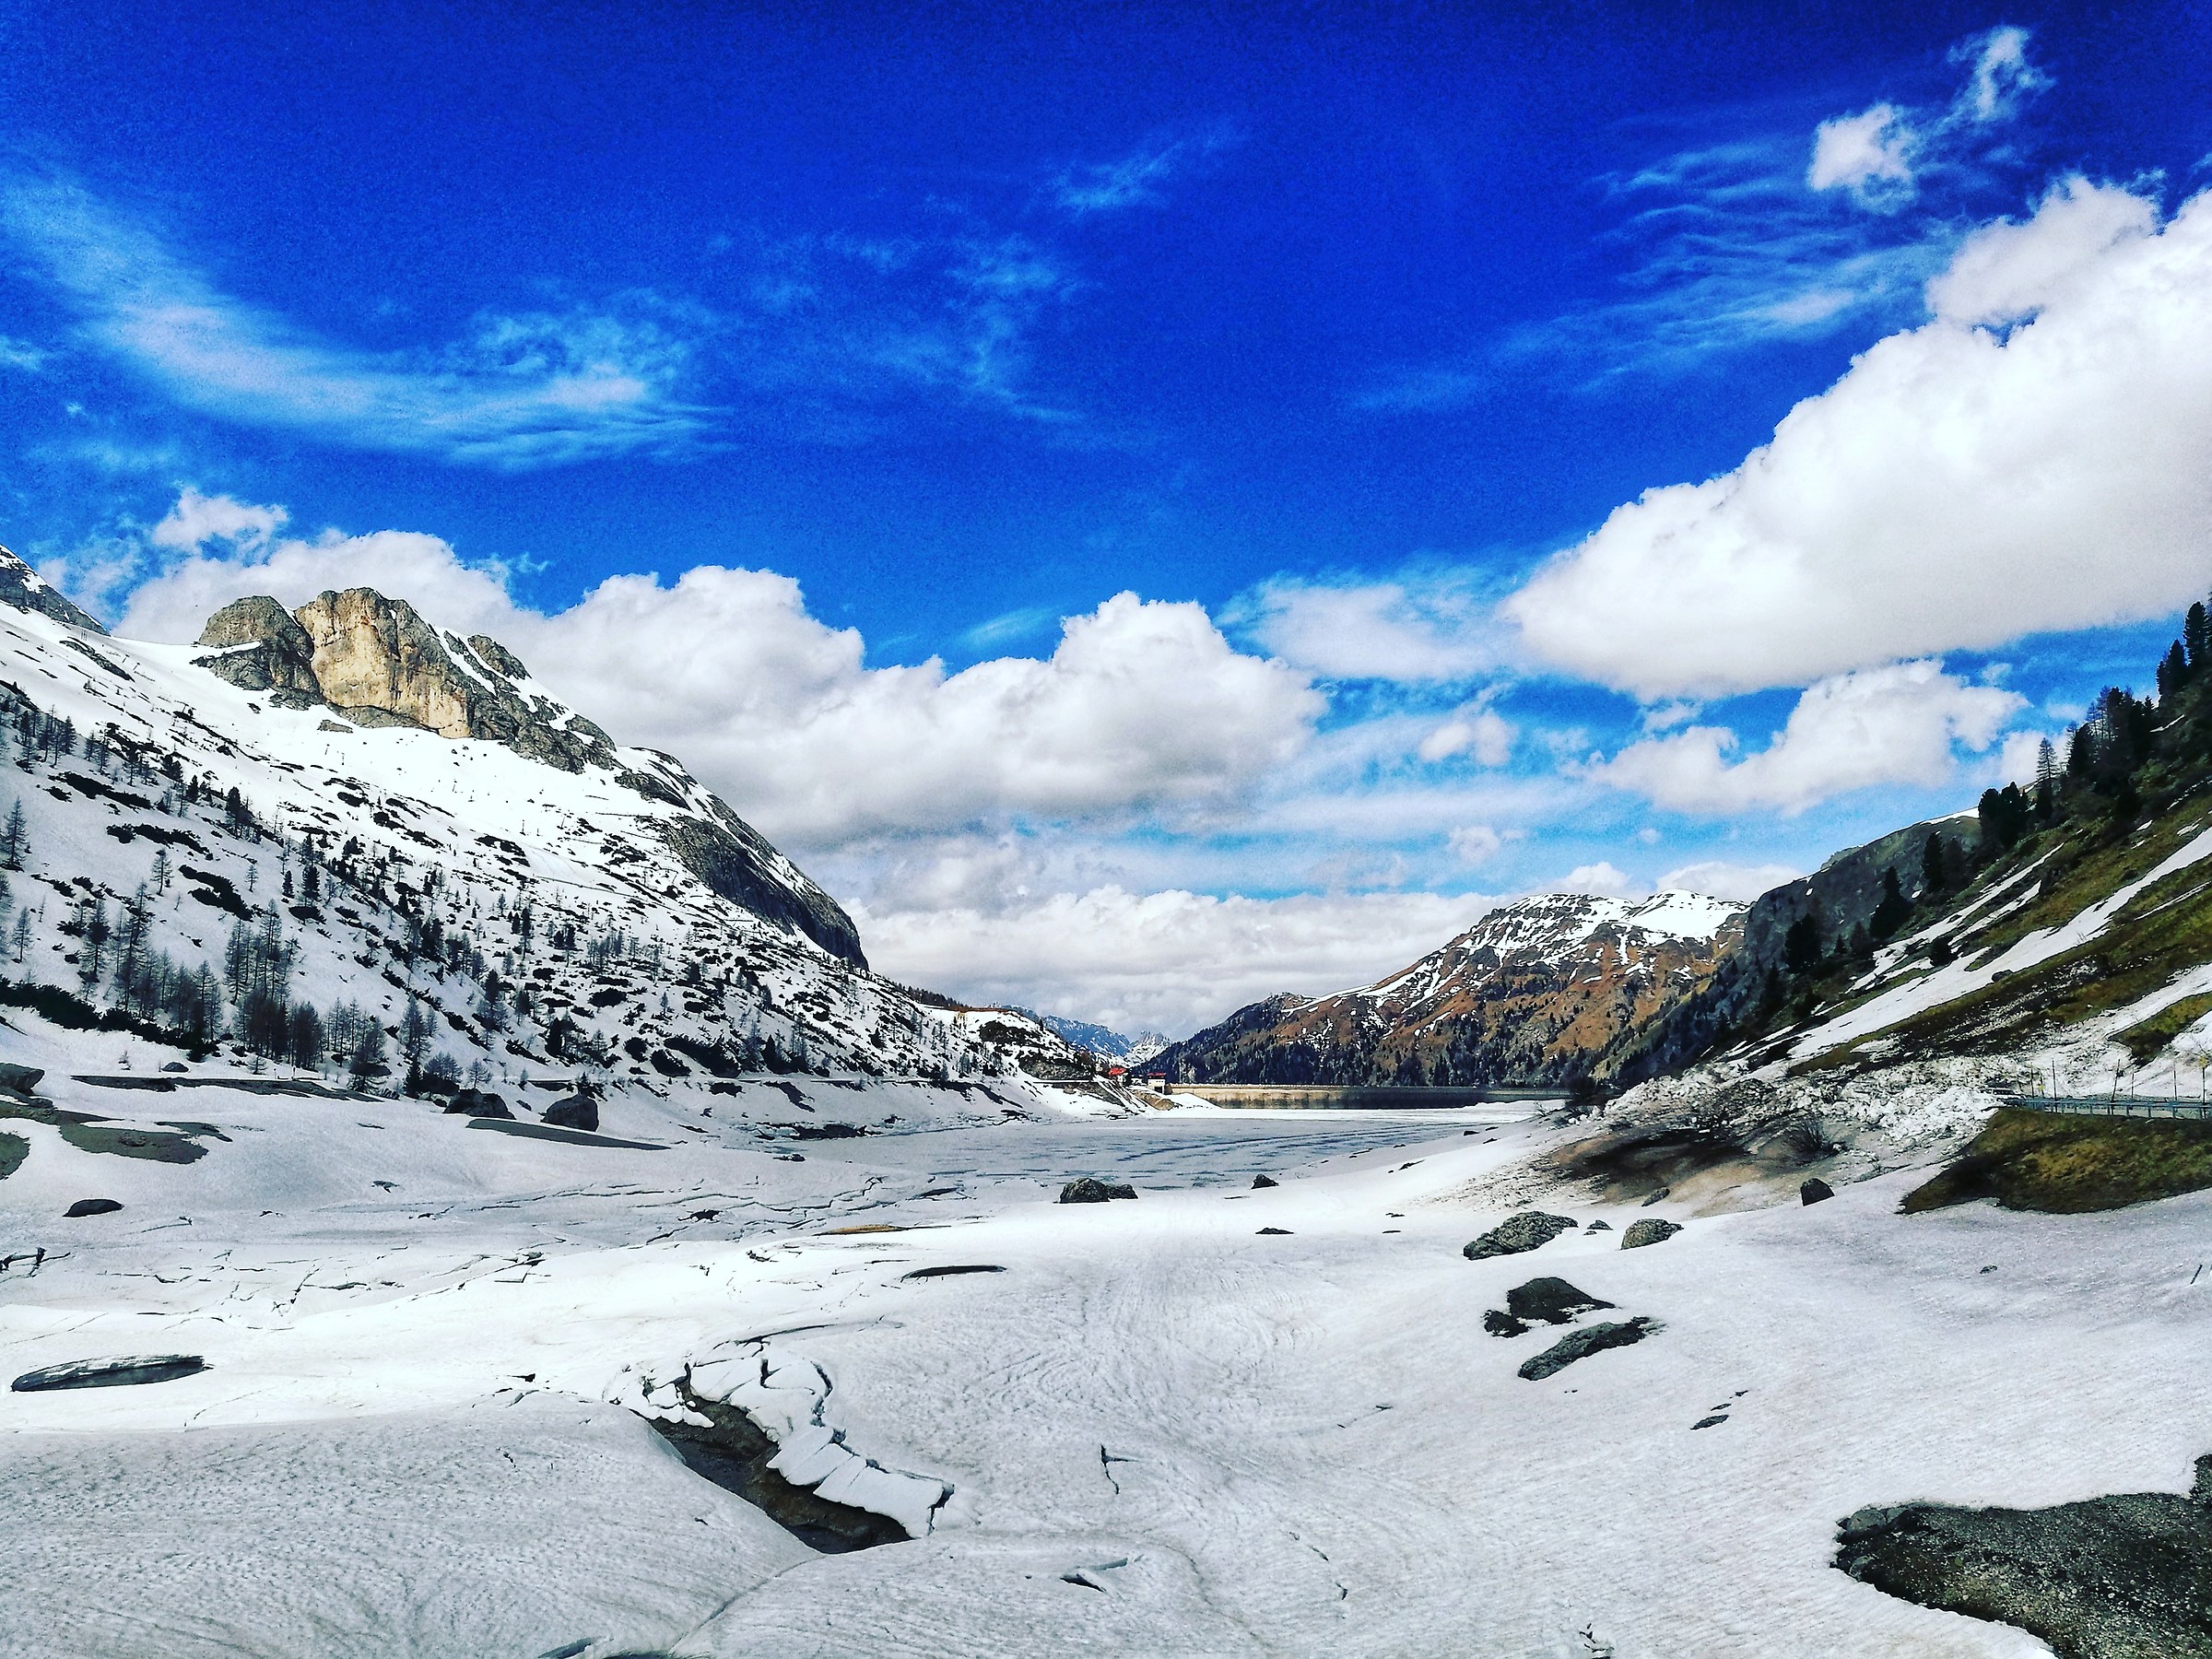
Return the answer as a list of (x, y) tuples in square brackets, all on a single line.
[(24, 589), (380, 662)]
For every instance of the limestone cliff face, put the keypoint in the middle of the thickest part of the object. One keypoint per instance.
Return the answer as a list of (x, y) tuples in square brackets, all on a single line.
[(378, 662), (1553, 987)]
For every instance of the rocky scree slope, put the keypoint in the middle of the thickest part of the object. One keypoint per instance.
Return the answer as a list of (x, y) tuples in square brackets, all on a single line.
[(1547, 989), (338, 837)]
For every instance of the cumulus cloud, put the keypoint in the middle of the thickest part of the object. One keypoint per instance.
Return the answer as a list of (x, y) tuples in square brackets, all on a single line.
[(1601, 878), (1420, 628), (2037, 457), (1724, 881), (1141, 705), (198, 519), (1869, 154), (1897, 724), (1171, 960)]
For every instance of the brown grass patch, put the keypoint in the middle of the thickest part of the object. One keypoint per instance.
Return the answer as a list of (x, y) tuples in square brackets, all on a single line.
[(2066, 1164)]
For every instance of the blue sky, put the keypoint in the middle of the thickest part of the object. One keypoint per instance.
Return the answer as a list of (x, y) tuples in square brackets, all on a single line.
[(1319, 334)]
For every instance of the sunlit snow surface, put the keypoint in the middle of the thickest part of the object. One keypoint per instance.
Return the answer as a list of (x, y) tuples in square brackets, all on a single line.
[(1164, 1432)]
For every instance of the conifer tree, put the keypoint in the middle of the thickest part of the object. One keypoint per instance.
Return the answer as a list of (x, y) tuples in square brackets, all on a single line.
[(2196, 636)]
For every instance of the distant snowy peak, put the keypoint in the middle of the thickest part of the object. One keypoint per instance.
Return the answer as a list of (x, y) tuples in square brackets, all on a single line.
[(23, 589), (1103, 1040), (1568, 919)]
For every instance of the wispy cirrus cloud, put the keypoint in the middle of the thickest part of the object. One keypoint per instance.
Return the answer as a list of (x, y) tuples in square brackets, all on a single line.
[(1138, 179), (516, 392), (1769, 236), (819, 336)]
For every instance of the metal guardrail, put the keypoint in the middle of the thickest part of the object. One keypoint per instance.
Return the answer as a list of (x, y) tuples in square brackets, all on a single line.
[(2135, 1106)]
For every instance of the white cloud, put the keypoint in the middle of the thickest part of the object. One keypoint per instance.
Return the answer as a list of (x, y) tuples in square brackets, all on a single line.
[(1416, 629), (1142, 705), (1723, 880), (1869, 154), (1900, 724), (1481, 733), (1478, 843), (1960, 486), (1136, 180), (1171, 960), (523, 391), (1599, 877), (2002, 76), (198, 519)]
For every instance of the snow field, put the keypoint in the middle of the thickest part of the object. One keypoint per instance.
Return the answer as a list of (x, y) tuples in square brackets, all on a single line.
[(1165, 1433)]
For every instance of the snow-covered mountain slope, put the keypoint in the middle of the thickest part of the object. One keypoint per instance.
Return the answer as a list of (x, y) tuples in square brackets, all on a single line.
[(310, 836), (1547, 989)]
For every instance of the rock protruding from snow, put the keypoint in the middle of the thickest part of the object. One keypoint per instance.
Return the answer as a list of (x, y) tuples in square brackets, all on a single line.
[(262, 647), (1553, 1300), (1582, 1344), (1652, 1229), (26, 590), (1531, 1229), (374, 653), (1088, 1189)]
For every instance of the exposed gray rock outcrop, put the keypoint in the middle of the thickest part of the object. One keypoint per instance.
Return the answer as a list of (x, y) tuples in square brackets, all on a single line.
[(374, 653), (1553, 1300), (1088, 1189), (1582, 1344), (735, 860), (1650, 1231), (2123, 1577), (259, 647), (1531, 1229), (24, 589)]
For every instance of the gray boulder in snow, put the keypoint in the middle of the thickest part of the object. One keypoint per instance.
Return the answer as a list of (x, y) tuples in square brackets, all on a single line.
[(1531, 1229), (1582, 1344), (1088, 1189), (578, 1112), (1652, 1229), (19, 1079), (90, 1206), (1260, 1181), (1553, 1300), (478, 1103), (1813, 1191)]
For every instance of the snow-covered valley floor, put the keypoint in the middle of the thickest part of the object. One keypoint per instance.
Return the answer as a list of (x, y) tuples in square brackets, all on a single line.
[(1164, 1432)]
